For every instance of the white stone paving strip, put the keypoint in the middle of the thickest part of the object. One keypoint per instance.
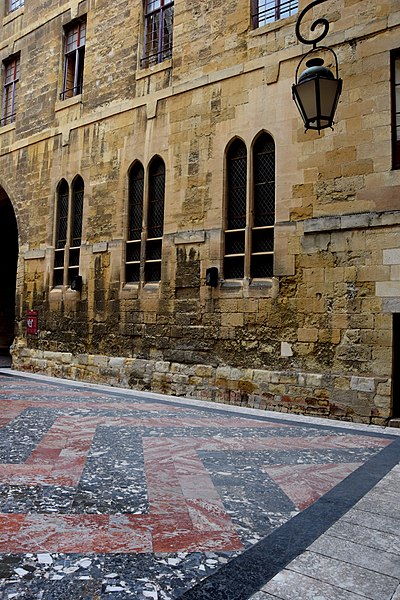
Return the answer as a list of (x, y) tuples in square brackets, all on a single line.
[(358, 557)]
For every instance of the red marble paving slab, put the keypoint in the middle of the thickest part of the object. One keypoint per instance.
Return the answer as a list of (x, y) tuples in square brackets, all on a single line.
[(279, 443), (23, 474), (38, 533), (191, 541), (304, 484), (10, 524)]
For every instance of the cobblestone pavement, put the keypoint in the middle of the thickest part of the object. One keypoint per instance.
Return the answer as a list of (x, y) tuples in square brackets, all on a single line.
[(115, 494)]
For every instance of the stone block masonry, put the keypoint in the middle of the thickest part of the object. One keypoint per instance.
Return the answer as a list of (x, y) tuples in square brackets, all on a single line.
[(351, 398), (314, 336)]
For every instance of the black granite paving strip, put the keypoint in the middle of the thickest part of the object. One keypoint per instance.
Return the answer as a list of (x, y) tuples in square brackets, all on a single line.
[(244, 575), (21, 436), (113, 480)]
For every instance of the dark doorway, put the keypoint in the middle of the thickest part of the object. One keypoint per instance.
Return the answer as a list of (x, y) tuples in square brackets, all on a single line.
[(396, 367), (8, 272)]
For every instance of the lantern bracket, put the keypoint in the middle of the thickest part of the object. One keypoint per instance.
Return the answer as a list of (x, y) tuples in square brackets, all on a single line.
[(320, 21)]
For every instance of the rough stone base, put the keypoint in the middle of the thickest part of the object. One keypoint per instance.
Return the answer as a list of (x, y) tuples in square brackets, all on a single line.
[(338, 396)]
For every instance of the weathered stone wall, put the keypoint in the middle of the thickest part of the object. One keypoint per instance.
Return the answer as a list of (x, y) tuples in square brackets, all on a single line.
[(317, 337)]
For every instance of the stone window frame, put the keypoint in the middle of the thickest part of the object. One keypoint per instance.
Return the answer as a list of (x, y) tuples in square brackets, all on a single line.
[(15, 5), (158, 32), (68, 230), (145, 222), (249, 230), (395, 93), (74, 58), (269, 11), (11, 69)]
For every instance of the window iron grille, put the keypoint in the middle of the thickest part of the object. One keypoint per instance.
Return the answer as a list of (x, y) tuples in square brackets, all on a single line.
[(249, 237), (268, 11), (15, 4), (158, 31)]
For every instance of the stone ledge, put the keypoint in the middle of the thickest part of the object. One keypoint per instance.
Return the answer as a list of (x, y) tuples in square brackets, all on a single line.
[(352, 221)]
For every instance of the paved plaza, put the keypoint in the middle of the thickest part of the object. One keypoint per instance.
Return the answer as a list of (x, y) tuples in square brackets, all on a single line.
[(111, 494)]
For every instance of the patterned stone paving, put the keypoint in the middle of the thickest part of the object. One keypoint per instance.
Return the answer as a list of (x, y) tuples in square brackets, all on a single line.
[(111, 496)]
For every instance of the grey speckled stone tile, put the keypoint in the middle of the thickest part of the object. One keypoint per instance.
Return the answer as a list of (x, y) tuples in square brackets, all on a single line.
[(357, 554), (379, 522), (388, 504), (289, 585), (396, 595), (345, 576), (364, 535)]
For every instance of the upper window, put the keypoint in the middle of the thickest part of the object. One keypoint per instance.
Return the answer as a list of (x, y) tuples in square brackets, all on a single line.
[(145, 235), (396, 109), (267, 11), (11, 78), (158, 24), (250, 210), (75, 38), (68, 231), (14, 4)]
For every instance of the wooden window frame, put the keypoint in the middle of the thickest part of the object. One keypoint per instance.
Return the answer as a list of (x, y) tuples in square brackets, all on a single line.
[(11, 78), (157, 39), (74, 59)]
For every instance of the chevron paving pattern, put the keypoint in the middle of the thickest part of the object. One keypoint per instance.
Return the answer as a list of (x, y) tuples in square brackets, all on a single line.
[(90, 475)]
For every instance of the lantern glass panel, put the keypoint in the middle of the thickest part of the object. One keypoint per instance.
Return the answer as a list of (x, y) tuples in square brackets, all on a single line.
[(308, 99)]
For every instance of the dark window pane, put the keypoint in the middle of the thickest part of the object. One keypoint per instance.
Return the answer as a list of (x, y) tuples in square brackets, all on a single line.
[(132, 252), (153, 271), (58, 277), (262, 266), (235, 242), (264, 181), (132, 273), (136, 187), (237, 183), (234, 268), (77, 212), (263, 240), (156, 199), (62, 214)]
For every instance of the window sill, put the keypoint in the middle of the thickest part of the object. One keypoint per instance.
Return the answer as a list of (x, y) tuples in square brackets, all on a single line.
[(264, 29), (163, 66), (62, 104), (13, 15), (7, 128)]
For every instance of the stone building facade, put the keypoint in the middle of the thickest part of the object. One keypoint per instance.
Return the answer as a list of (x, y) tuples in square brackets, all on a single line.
[(141, 144)]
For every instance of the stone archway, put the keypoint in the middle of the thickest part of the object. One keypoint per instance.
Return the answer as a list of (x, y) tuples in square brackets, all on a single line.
[(8, 271)]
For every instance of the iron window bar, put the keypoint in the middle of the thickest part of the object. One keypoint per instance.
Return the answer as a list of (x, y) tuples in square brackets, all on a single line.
[(11, 78), (268, 11), (158, 32)]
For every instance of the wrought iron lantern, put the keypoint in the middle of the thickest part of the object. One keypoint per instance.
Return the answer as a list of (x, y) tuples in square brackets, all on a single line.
[(317, 90)]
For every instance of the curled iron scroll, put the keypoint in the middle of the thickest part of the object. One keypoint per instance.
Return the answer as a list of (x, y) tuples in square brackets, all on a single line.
[(315, 24)]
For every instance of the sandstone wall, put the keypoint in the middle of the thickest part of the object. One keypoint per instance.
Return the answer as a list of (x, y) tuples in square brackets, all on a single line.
[(318, 336)]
